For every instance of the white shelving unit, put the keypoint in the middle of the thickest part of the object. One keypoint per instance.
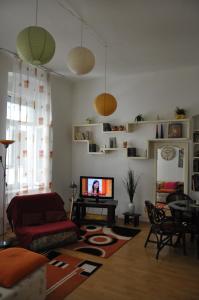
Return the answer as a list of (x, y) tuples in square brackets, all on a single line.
[(86, 133), (195, 155)]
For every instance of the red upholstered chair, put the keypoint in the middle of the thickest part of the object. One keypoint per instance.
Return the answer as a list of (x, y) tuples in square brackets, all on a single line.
[(39, 221)]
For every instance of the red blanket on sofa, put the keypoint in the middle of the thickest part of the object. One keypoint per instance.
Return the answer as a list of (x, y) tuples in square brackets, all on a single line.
[(34, 216)]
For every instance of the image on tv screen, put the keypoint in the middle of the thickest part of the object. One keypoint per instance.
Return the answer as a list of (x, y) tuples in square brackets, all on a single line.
[(97, 187)]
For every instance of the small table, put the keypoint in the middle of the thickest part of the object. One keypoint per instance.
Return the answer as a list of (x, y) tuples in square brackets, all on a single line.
[(131, 217)]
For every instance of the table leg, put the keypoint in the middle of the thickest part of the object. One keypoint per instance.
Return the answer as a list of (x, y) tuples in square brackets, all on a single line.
[(136, 221), (126, 219), (111, 216), (78, 216)]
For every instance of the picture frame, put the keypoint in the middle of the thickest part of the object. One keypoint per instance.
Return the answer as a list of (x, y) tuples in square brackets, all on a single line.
[(175, 130)]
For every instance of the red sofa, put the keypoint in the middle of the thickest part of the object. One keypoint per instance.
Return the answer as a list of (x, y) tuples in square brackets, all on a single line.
[(39, 221)]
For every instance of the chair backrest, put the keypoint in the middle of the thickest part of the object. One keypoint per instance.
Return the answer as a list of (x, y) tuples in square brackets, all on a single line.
[(155, 215), (177, 196)]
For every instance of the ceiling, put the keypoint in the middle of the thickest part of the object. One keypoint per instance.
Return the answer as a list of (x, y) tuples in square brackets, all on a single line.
[(142, 35)]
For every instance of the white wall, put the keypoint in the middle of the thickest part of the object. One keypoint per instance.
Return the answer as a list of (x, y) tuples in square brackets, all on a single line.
[(149, 94), (61, 91), (168, 170)]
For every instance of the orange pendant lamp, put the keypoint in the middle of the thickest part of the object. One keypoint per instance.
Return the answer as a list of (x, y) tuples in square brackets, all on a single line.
[(105, 104)]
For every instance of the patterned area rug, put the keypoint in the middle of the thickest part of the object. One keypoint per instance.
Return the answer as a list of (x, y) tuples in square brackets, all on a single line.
[(102, 241), (65, 273)]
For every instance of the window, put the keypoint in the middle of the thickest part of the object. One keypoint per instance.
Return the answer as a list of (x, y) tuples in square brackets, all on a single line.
[(29, 124)]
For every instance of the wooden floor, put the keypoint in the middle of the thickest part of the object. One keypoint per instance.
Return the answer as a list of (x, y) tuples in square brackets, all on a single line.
[(134, 273)]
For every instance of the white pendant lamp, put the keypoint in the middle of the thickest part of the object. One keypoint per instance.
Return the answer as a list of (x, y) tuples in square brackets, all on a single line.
[(35, 45), (105, 104), (80, 60)]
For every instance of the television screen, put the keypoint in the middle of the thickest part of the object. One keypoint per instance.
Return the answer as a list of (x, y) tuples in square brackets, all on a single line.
[(97, 187)]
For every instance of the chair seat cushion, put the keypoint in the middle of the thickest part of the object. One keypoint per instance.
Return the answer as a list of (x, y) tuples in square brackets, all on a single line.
[(16, 263), (28, 233)]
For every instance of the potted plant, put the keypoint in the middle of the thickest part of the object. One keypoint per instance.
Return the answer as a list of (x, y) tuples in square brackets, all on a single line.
[(130, 183), (180, 113), (139, 118)]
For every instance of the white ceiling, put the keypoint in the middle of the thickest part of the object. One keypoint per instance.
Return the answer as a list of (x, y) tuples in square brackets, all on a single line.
[(142, 35)]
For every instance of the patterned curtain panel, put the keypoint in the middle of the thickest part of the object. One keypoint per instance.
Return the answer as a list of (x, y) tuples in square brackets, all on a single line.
[(29, 123)]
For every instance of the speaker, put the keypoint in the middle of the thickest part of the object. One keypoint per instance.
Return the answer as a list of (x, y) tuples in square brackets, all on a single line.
[(131, 152)]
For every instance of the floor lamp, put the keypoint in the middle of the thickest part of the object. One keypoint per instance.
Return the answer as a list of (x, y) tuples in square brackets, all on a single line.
[(5, 143), (73, 186)]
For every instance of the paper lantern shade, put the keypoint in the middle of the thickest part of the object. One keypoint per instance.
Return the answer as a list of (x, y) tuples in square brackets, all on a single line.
[(80, 60), (105, 104), (35, 45)]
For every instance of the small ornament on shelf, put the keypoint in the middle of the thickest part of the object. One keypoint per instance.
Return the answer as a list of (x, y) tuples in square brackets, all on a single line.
[(139, 118), (112, 142), (180, 113), (161, 131), (157, 132)]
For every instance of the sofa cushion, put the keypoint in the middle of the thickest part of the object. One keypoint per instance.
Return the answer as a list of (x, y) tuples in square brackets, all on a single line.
[(55, 216), (28, 233), (32, 218), (16, 263)]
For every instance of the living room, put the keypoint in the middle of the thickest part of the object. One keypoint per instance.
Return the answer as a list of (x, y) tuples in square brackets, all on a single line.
[(152, 67)]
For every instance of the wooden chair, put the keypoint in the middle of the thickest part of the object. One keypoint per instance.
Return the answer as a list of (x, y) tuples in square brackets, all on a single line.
[(164, 229)]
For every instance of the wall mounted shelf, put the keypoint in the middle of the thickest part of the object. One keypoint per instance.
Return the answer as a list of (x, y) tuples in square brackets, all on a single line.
[(90, 133)]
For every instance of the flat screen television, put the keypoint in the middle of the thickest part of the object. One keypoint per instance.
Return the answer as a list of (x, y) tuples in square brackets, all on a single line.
[(99, 188)]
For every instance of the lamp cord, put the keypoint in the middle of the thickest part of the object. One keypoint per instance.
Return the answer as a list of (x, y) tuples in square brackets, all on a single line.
[(36, 12), (105, 67), (68, 7), (82, 28), (2, 165)]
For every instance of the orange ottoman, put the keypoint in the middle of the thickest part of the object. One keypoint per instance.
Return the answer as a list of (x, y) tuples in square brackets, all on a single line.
[(22, 274)]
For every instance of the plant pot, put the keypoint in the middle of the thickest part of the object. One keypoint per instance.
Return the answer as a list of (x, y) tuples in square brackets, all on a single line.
[(131, 208), (180, 116)]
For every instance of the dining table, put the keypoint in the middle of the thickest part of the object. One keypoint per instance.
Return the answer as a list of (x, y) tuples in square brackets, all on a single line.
[(184, 209)]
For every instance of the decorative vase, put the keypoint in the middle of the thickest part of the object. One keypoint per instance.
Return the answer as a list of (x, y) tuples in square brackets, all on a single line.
[(161, 131), (131, 208), (156, 134)]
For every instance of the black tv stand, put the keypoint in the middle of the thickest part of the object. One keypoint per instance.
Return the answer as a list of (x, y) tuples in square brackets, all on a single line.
[(93, 200), (82, 205)]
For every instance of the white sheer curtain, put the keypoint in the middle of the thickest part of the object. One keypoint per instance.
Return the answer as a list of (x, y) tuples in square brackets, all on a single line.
[(29, 123)]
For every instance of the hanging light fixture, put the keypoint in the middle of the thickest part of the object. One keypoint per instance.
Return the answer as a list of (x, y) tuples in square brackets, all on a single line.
[(105, 104), (35, 45), (80, 60)]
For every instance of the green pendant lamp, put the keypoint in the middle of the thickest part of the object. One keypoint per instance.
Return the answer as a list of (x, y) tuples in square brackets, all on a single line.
[(35, 45), (105, 104), (80, 60)]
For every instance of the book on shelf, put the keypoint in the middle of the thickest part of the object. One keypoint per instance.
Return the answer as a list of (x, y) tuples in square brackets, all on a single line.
[(195, 182), (196, 137), (196, 165)]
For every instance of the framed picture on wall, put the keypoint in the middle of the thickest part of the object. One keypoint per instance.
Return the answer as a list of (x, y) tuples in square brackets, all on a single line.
[(175, 130)]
